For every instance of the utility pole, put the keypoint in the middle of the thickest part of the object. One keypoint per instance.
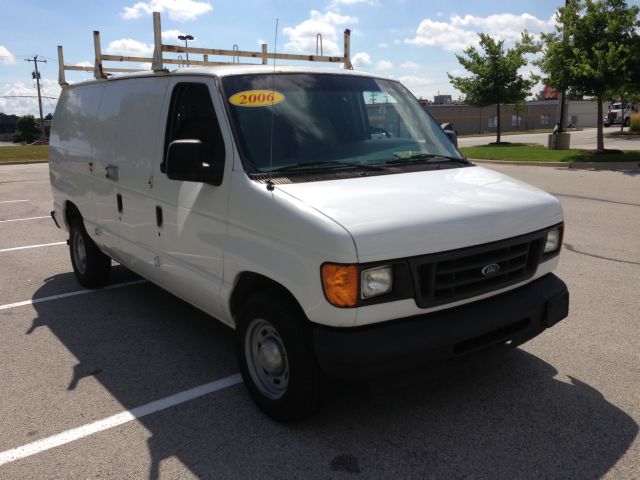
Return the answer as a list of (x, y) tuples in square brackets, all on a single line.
[(36, 75)]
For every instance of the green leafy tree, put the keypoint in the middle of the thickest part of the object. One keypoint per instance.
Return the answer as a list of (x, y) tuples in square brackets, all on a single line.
[(494, 73), (27, 130), (592, 50)]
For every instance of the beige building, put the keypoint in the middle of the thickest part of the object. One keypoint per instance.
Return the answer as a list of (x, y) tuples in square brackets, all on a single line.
[(529, 116)]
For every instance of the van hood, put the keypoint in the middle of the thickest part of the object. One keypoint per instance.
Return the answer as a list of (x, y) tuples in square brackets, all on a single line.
[(408, 214)]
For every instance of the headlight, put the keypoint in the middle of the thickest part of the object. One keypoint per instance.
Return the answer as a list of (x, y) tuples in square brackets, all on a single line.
[(376, 281), (553, 241)]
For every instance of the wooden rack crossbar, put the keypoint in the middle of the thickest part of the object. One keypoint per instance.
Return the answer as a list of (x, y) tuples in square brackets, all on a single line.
[(158, 61)]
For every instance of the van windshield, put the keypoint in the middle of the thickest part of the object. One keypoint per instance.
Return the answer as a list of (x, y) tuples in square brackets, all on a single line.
[(328, 121)]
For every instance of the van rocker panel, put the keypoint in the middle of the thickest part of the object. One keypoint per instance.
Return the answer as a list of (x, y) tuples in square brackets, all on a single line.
[(502, 321)]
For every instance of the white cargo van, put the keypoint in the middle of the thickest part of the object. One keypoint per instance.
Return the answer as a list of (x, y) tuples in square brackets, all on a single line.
[(321, 213)]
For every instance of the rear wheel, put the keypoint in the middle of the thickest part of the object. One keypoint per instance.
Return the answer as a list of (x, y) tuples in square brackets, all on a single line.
[(276, 357), (91, 266)]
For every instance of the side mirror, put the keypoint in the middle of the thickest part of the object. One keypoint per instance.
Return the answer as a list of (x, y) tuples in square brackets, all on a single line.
[(190, 161), (453, 136)]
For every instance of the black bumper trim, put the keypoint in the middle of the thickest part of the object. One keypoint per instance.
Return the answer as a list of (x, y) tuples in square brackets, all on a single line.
[(503, 321)]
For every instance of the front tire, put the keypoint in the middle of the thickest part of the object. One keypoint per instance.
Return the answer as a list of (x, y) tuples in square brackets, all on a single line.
[(91, 266), (276, 357)]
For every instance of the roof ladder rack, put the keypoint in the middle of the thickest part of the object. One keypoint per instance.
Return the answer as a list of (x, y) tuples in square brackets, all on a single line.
[(158, 61)]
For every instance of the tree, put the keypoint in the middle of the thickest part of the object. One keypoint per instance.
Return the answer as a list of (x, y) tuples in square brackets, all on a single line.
[(494, 73), (591, 51), (27, 130)]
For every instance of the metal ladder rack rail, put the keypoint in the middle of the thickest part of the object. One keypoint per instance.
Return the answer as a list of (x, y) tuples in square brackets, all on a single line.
[(158, 62)]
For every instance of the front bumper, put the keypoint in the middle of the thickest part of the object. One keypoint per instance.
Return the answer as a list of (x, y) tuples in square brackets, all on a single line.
[(503, 321)]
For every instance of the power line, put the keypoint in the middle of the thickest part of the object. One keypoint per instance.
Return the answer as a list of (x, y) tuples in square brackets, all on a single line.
[(48, 99), (27, 96)]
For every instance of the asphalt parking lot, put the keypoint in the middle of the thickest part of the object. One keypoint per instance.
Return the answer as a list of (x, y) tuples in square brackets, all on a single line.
[(100, 384)]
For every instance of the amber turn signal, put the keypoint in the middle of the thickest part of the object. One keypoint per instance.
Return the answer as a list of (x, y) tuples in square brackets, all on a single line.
[(340, 284)]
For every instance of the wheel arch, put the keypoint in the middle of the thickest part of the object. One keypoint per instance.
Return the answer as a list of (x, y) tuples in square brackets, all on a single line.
[(248, 282), (71, 212)]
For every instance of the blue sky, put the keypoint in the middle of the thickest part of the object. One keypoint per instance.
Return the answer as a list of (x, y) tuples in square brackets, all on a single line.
[(414, 41)]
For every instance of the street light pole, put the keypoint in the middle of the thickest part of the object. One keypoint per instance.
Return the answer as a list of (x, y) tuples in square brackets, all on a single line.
[(186, 39)]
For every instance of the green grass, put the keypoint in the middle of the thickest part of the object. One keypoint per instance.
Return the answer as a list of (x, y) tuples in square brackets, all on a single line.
[(537, 153), (24, 153)]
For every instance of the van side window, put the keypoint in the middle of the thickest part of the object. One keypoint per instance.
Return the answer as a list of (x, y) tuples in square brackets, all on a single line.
[(191, 116)]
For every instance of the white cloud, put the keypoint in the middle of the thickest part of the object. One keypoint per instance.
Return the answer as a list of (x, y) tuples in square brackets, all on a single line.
[(337, 3), (171, 35), (383, 45), (84, 63), (430, 33), (128, 46), (418, 85), (360, 59), (410, 65), (384, 65), (260, 41), (302, 37), (415, 81), (6, 56), (460, 32), (179, 10), (27, 103)]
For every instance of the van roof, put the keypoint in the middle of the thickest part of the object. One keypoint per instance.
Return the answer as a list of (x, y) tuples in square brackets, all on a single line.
[(238, 69)]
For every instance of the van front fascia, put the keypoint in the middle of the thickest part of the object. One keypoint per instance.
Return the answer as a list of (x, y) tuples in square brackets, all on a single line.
[(421, 277)]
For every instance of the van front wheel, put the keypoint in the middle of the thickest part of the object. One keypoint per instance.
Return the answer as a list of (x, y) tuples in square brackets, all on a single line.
[(91, 266), (276, 357)]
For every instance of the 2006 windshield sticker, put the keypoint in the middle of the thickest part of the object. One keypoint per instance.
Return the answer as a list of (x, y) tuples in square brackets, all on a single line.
[(256, 98)]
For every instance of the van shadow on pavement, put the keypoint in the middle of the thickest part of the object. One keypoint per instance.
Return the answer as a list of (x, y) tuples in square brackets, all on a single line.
[(510, 418)]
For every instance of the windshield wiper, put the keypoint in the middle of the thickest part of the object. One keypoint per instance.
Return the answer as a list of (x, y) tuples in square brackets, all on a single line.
[(426, 157), (326, 163)]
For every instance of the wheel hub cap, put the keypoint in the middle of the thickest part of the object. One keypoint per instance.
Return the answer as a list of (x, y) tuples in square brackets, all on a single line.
[(266, 359), (271, 357)]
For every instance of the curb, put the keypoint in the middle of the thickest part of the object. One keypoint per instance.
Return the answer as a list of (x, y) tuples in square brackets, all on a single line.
[(24, 162), (569, 165)]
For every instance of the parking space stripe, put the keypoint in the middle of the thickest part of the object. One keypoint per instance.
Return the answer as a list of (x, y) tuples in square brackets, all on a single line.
[(116, 420), (13, 201), (32, 246), (67, 295), (23, 219)]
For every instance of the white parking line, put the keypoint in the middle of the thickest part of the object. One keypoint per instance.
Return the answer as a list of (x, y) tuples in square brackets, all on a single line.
[(13, 201), (68, 294), (116, 420), (32, 246), (23, 219)]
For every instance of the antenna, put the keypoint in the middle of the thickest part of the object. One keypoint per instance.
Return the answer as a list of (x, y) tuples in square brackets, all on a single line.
[(273, 99)]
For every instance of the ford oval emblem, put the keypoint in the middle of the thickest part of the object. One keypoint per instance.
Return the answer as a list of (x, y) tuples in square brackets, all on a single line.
[(491, 269)]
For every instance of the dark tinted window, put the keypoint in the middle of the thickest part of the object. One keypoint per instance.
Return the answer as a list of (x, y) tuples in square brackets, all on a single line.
[(192, 117)]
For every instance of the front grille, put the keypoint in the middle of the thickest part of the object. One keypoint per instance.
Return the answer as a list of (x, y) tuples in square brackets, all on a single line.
[(458, 274)]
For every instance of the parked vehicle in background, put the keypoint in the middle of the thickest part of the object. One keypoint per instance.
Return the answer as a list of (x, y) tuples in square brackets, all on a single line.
[(619, 113), (451, 132)]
